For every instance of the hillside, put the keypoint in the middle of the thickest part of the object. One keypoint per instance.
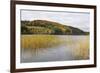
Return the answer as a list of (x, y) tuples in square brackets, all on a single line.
[(48, 27)]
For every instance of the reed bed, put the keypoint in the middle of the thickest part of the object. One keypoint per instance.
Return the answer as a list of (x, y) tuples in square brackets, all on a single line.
[(39, 41), (81, 48)]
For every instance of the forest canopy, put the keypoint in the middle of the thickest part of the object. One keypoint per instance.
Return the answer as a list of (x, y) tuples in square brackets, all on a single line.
[(49, 27)]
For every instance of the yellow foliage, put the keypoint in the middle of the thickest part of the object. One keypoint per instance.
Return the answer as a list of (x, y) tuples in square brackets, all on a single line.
[(39, 41)]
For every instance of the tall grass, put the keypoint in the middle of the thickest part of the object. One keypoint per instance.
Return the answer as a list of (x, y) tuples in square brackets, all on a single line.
[(39, 41), (81, 48)]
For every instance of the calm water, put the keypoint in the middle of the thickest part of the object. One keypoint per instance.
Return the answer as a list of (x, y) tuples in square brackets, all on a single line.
[(67, 51)]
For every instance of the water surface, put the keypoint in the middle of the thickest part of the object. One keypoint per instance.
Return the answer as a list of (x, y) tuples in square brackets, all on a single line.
[(71, 48)]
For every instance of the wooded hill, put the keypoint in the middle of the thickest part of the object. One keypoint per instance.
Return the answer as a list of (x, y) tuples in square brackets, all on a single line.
[(49, 27)]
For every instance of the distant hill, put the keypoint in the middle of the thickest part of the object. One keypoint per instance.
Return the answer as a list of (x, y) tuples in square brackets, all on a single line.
[(49, 27)]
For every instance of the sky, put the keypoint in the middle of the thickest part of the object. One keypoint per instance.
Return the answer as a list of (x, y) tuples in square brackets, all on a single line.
[(76, 19)]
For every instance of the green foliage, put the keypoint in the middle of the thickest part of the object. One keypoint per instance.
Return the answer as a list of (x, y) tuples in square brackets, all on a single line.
[(24, 30), (48, 27)]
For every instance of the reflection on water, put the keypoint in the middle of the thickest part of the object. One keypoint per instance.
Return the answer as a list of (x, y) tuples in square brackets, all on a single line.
[(71, 48)]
